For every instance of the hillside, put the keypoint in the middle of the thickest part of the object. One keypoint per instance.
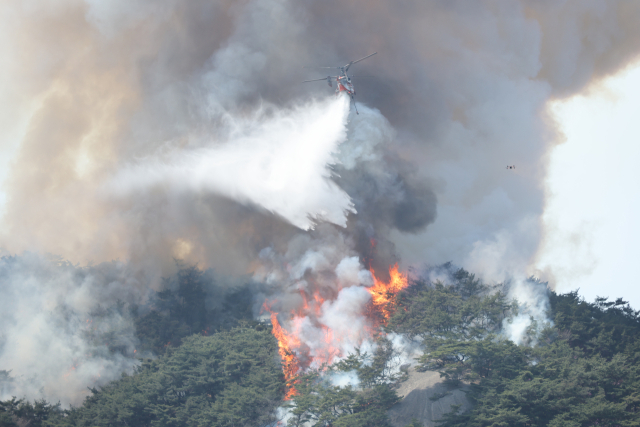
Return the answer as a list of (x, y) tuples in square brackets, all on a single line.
[(578, 370)]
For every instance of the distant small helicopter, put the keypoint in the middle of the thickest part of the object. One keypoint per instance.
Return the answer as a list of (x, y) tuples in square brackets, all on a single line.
[(511, 167), (343, 80)]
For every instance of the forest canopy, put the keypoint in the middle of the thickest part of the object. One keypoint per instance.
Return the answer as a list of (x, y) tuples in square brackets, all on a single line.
[(219, 367)]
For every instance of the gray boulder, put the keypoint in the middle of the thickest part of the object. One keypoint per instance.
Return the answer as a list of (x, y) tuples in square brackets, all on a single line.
[(425, 397)]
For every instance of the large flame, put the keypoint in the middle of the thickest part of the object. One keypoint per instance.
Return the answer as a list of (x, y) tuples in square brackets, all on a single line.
[(286, 344), (382, 293), (297, 356)]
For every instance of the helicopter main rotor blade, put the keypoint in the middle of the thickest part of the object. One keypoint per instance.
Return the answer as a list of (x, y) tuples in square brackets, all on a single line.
[(362, 59), (318, 80), (346, 67)]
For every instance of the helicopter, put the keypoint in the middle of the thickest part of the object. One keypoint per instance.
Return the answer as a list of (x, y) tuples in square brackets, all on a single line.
[(343, 80)]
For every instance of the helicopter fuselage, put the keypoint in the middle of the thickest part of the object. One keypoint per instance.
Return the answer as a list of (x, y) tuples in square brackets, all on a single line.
[(343, 81), (343, 84)]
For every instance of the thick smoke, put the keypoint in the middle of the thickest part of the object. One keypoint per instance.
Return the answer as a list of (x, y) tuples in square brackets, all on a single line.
[(463, 86), (385, 190), (130, 95), (62, 329)]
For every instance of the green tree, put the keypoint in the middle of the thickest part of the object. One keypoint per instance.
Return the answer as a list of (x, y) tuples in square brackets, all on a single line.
[(18, 412), (192, 302), (582, 370), (320, 403), (232, 378), (465, 310)]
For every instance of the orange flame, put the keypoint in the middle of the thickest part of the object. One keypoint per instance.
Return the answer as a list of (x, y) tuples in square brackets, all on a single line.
[(286, 343), (382, 293), (296, 356), (330, 352)]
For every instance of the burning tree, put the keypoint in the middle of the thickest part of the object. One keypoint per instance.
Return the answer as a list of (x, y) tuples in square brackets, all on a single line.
[(296, 354)]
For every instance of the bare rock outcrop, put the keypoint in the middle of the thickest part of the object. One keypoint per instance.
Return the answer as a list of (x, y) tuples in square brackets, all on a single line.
[(427, 398)]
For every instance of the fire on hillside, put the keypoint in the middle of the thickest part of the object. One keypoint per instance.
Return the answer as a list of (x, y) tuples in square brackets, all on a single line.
[(297, 356)]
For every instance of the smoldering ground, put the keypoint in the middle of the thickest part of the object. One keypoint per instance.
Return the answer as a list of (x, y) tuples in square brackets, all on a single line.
[(457, 91)]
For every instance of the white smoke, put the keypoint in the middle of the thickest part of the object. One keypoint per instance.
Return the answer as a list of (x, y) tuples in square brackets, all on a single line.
[(56, 339), (350, 273), (407, 350), (532, 297), (320, 291), (499, 258), (345, 317), (277, 159), (366, 133), (343, 379)]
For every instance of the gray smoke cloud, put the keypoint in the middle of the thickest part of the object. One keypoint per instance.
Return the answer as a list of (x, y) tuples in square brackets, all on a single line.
[(62, 329), (93, 89)]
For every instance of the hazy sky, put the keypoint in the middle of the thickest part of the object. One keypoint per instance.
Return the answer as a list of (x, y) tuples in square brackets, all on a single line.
[(591, 220)]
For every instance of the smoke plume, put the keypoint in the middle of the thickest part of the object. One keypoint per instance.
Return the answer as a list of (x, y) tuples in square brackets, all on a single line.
[(62, 330), (143, 131)]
